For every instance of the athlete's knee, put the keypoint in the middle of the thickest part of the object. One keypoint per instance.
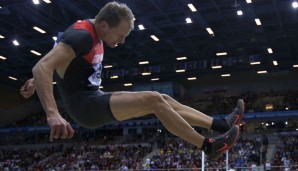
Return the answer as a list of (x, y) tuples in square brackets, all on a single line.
[(153, 99), (166, 97), (158, 103), (169, 99)]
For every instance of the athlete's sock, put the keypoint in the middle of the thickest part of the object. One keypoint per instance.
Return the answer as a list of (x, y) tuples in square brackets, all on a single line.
[(206, 145), (219, 125)]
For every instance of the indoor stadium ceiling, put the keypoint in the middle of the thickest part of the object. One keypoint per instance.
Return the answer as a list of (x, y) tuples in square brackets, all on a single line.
[(239, 36)]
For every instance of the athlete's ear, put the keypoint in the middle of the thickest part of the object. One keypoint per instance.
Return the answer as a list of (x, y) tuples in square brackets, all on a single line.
[(104, 25)]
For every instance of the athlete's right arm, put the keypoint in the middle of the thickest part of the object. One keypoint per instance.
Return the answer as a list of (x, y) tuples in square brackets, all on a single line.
[(28, 89), (57, 59)]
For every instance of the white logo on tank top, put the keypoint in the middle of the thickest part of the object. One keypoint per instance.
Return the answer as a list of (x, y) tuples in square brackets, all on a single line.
[(95, 78), (97, 59)]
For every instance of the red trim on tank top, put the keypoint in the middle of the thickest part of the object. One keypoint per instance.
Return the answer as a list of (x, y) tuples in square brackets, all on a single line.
[(97, 47)]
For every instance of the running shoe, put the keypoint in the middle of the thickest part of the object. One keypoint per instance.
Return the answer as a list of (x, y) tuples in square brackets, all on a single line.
[(220, 144), (236, 116)]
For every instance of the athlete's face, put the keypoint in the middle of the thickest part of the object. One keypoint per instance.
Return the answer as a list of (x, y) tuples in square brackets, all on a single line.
[(116, 35)]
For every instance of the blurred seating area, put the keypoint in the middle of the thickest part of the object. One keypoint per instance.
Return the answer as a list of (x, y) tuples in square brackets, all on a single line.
[(287, 152), (254, 101), (160, 150)]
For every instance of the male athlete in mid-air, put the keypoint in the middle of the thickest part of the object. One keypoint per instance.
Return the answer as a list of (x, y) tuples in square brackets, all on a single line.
[(76, 63)]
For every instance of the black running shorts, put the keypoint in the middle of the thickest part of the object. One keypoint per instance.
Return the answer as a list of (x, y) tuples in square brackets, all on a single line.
[(90, 109)]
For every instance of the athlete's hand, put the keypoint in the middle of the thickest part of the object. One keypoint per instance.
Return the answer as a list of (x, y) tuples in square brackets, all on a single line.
[(28, 89), (60, 128)]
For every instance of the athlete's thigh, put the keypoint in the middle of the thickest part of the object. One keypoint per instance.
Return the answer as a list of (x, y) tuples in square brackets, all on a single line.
[(126, 105)]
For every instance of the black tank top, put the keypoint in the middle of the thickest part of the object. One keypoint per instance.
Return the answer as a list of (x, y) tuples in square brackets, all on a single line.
[(84, 71)]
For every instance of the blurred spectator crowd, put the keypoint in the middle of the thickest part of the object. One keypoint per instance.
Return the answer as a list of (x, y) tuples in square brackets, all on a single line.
[(150, 151)]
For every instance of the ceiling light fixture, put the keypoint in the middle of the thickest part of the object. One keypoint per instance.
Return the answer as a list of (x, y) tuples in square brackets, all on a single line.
[(181, 58), (15, 42), (262, 72), (258, 21), (295, 4), (141, 27), (143, 62), (191, 7), (154, 38), (255, 63), (47, 1), (146, 73), (180, 70), (209, 30), (216, 66), (2, 57), (221, 53), (35, 52), (36, 2), (39, 30), (192, 78), (225, 75), (188, 20), (108, 66), (239, 12), (12, 78)]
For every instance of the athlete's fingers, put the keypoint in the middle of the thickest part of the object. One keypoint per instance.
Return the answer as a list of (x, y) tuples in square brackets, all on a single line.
[(52, 134), (22, 92), (70, 131), (57, 131), (26, 84), (22, 88), (64, 131), (25, 94)]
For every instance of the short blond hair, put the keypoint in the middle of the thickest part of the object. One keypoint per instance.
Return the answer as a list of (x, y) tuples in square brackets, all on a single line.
[(113, 13)]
